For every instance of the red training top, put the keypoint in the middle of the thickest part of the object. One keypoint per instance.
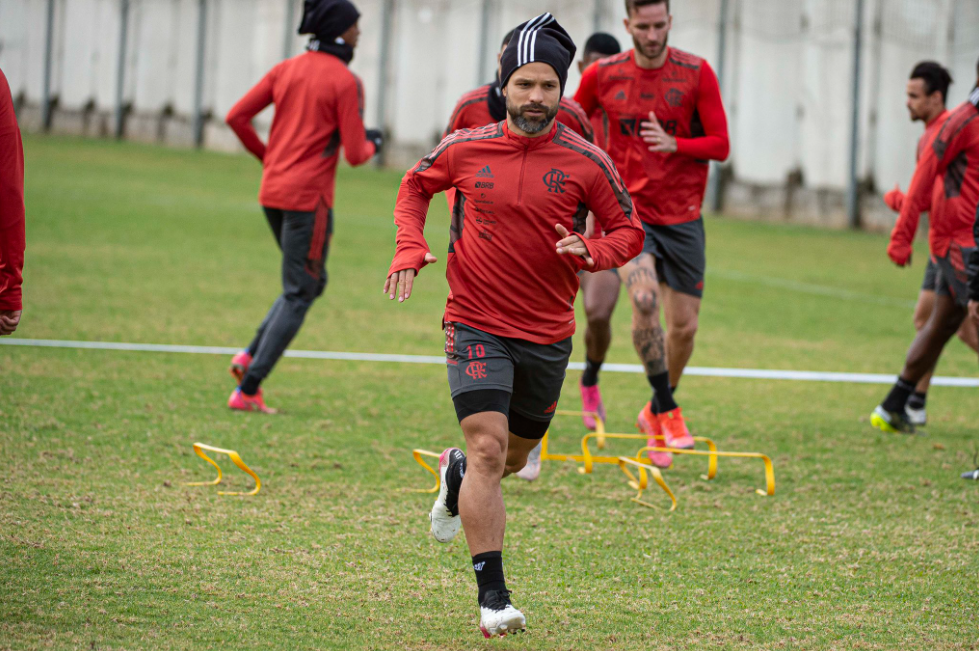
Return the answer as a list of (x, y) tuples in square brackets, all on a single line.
[(319, 106), (472, 111), (686, 99), (505, 276), (953, 156), (895, 198), (12, 237)]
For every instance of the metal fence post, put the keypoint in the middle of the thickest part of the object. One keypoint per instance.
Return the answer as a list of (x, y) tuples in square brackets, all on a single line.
[(46, 100), (714, 191), (598, 12), (290, 28), (387, 17), (199, 73), (121, 67), (853, 190), (481, 57)]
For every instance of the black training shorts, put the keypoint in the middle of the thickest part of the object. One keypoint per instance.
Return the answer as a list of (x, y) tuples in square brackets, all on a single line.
[(681, 255), (531, 373), (931, 276), (954, 274)]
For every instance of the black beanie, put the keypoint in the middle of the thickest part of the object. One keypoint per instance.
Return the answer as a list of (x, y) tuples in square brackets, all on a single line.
[(540, 40), (328, 19)]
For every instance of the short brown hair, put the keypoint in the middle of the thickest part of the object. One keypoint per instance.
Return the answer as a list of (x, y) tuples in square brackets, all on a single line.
[(632, 5)]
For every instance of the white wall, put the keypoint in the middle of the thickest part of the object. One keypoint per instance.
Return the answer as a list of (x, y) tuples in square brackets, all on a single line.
[(787, 85)]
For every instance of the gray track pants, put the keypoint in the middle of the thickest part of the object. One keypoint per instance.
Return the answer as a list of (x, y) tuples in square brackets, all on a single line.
[(304, 238)]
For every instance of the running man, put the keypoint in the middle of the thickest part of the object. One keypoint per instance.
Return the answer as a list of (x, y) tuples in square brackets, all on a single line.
[(319, 107), (953, 155), (927, 91), (12, 239), (524, 187), (599, 290), (666, 121)]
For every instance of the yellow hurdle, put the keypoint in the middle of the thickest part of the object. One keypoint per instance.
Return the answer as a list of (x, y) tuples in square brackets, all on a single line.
[(199, 449), (642, 481), (418, 454), (712, 463)]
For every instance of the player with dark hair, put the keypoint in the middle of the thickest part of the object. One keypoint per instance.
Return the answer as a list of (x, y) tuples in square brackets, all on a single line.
[(666, 121), (319, 106), (927, 89), (12, 234), (952, 156), (524, 187), (599, 290)]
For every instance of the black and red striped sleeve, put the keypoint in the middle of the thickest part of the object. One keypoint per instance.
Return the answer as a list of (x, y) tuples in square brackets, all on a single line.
[(714, 144), (12, 212), (572, 115)]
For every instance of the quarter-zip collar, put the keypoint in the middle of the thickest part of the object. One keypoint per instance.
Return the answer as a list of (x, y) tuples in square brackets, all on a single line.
[(524, 142)]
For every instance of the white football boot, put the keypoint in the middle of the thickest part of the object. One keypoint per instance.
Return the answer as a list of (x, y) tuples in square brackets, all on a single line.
[(917, 417), (497, 616), (531, 471), (445, 512)]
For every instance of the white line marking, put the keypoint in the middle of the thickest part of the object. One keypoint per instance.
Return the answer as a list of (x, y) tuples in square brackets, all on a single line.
[(744, 373)]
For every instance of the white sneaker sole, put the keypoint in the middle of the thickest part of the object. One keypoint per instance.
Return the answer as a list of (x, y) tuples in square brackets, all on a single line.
[(498, 624)]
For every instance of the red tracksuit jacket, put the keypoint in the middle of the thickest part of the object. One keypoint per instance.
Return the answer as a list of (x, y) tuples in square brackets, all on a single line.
[(684, 94), (953, 158), (505, 276), (319, 106), (12, 240)]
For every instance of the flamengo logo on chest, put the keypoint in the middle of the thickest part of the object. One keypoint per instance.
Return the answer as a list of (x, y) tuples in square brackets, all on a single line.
[(555, 179)]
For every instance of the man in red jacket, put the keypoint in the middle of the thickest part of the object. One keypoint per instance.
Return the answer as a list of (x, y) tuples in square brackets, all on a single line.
[(953, 156), (927, 89), (319, 107), (12, 240), (666, 121), (524, 188)]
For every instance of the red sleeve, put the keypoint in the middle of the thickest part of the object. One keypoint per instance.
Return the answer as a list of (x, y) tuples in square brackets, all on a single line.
[(918, 198), (612, 206), (350, 117), (12, 238), (241, 115), (587, 95), (454, 120), (418, 186), (571, 115), (714, 144)]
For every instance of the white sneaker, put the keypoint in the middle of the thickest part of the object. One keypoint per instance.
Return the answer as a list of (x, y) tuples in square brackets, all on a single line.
[(445, 512), (531, 471), (917, 417), (497, 616)]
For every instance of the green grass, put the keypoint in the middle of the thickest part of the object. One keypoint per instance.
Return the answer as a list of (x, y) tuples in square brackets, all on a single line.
[(871, 542)]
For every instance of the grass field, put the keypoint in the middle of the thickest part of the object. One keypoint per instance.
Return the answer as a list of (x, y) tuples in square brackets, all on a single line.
[(871, 542)]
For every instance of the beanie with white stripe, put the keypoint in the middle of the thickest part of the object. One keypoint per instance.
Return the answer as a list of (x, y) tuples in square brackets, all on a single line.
[(540, 40)]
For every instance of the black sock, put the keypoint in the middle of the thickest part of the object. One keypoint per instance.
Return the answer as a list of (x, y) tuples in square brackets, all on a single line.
[(662, 395), (249, 385), (898, 397), (590, 377), (489, 572), (917, 400)]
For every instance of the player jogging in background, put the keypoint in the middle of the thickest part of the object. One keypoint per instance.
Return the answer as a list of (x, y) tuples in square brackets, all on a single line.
[(598, 46), (524, 187), (926, 91), (318, 109), (12, 234), (666, 121), (953, 156), (599, 290)]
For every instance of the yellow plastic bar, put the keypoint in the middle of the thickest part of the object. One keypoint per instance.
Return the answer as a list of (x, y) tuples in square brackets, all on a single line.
[(418, 454), (588, 460), (641, 482), (235, 458), (712, 469)]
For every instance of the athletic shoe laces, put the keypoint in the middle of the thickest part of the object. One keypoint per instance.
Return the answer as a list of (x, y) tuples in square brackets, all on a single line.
[(496, 600)]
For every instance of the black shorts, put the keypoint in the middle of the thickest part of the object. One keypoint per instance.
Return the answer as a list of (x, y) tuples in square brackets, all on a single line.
[(954, 274), (531, 373), (681, 255), (931, 276)]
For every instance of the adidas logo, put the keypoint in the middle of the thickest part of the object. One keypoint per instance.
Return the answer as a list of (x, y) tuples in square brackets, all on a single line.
[(620, 95), (479, 566), (550, 410), (485, 173)]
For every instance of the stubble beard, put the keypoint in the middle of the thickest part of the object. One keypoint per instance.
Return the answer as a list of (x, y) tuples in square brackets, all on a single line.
[(531, 125)]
